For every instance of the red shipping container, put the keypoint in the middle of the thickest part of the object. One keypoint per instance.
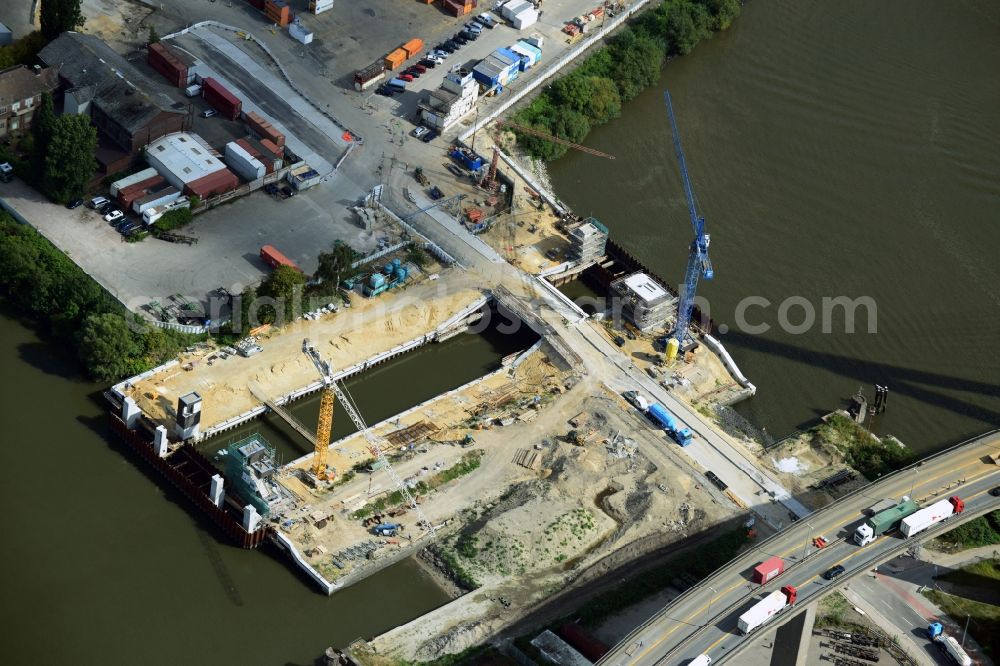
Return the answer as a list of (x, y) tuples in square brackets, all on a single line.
[(586, 644), (768, 569), (218, 182), (129, 194), (264, 129), (166, 63), (274, 258), (223, 101)]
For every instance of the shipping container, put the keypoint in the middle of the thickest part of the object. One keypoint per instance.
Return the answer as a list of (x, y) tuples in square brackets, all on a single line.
[(369, 76), (320, 6), (161, 57), (274, 258), (765, 609), (527, 56), (217, 182), (278, 12), (128, 195), (535, 39), (151, 215), (168, 194), (260, 127), (219, 98), (395, 59), (300, 33), (243, 162), (582, 641), (413, 47), (525, 19), (768, 569), (458, 7), (137, 177), (512, 8)]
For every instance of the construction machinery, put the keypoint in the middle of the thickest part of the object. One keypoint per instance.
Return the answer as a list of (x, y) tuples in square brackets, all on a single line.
[(699, 264), (334, 390)]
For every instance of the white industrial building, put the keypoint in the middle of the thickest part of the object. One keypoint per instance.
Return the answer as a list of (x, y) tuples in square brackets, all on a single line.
[(644, 301), (190, 165), (455, 99)]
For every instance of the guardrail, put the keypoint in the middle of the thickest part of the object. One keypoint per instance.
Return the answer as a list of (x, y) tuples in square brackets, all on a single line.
[(975, 441)]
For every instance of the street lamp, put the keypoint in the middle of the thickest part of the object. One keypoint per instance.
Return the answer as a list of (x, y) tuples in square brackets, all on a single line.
[(712, 600), (914, 483), (806, 546), (964, 631)]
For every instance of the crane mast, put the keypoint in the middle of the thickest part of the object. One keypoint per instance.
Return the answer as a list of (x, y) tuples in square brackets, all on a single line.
[(699, 265), (331, 388)]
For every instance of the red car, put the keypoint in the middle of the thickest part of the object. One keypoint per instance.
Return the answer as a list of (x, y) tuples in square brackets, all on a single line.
[(406, 77), (420, 68)]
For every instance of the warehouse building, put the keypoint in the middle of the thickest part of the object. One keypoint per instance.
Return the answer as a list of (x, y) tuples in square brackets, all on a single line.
[(121, 102), (190, 165), (644, 301)]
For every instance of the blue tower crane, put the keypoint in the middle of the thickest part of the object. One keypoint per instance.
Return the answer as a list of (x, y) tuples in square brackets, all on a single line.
[(699, 265)]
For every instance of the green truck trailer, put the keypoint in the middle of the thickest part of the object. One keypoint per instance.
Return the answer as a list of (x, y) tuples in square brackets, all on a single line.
[(881, 522)]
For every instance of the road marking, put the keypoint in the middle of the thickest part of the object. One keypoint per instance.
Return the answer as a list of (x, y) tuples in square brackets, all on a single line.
[(951, 470)]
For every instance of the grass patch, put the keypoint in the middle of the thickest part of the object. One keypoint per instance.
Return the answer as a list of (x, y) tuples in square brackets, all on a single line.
[(974, 574), (982, 531), (984, 619), (832, 610), (699, 563), (466, 655)]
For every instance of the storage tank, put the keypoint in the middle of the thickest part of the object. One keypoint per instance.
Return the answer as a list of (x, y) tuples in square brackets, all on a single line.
[(376, 281), (396, 263), (401, 274)]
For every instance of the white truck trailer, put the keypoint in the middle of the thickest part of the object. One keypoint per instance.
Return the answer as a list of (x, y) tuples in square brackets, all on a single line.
[(765, 609), (931, 515)]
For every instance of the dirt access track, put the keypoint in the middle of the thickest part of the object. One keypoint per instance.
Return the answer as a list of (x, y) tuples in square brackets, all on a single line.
[(369, 327)]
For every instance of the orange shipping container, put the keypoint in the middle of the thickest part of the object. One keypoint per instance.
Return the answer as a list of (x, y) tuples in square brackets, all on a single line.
[(395, 59), (413, 47)]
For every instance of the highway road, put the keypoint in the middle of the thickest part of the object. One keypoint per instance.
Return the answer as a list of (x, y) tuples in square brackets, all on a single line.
[(703, 620)]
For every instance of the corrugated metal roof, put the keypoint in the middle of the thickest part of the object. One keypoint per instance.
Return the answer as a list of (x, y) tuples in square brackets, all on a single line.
[(184, 156)]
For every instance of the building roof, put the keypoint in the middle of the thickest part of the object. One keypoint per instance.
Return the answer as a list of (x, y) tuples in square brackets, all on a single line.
[(645, 287), (185, 156), (120, 90), (21, 82)]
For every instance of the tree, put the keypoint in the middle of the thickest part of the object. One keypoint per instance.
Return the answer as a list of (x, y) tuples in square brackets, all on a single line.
[(571, 91), (42, 128), (153, 36), (108, 346), (685, 24), (722, 12), (284, 285), (637, 65), (58, 16), (69, 159), (335, 265), (604, 102)]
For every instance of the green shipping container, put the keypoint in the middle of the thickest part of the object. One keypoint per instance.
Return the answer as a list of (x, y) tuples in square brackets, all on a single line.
[(884, 521)]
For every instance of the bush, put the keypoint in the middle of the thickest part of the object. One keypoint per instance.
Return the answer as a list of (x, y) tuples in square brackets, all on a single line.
[(982, 531), (173, 219)]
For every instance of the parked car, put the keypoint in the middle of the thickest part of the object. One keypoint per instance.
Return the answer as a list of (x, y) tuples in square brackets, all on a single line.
[(97, 202), (430, 136), (420, 68), (385, 91), (208, 113), (454, 45), (461, 39), (107, 207), (435, 193), (287, 191), (427, 63), (447, 47), (472, 26), (419, 131), (995, 492), (75, 203), (469, 35), (406, 77), (128, 229), (455, 170), (415, 73), (485, 21), (114, 216), (832, 573)]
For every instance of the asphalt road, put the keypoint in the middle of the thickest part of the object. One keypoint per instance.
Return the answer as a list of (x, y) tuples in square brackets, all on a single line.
[(704, 620)]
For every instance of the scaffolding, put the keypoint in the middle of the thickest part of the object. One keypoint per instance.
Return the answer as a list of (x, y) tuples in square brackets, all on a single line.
[(251, 467)]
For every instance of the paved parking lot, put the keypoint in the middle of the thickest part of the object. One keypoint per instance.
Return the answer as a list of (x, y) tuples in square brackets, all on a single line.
[(226, 254)]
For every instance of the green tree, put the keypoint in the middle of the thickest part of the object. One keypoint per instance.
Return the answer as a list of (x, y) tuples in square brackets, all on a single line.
[(108, 347), (285, 286), (154, 37), (722, 12), (604, 103), (685, 24), (637, 63), (69, 159), (335, 265), (42, 128), (58, 16), (571, 91), (23, 51)]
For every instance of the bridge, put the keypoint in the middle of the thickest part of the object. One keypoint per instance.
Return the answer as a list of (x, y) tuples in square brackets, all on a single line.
[(703, 619)]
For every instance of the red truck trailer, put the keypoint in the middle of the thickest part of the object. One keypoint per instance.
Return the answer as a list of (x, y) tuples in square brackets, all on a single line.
[(274, 258), (768, 569)]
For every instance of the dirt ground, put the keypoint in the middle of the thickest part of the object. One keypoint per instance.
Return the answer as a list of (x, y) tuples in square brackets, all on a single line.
[(540, 529), (370, 326), (116, 22)]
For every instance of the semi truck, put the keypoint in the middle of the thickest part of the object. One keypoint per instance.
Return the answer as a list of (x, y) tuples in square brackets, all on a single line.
[(700, 660), (765, 609), (674, 428), (948, 645), (881, 522), (920, 520)]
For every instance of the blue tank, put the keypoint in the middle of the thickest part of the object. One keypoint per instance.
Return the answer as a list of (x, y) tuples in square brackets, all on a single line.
[(376, 281), (396, 263), (401, 274)]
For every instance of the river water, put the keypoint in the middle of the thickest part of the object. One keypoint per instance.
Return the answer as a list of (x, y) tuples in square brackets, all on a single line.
[(102, 566), (836, 149)]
